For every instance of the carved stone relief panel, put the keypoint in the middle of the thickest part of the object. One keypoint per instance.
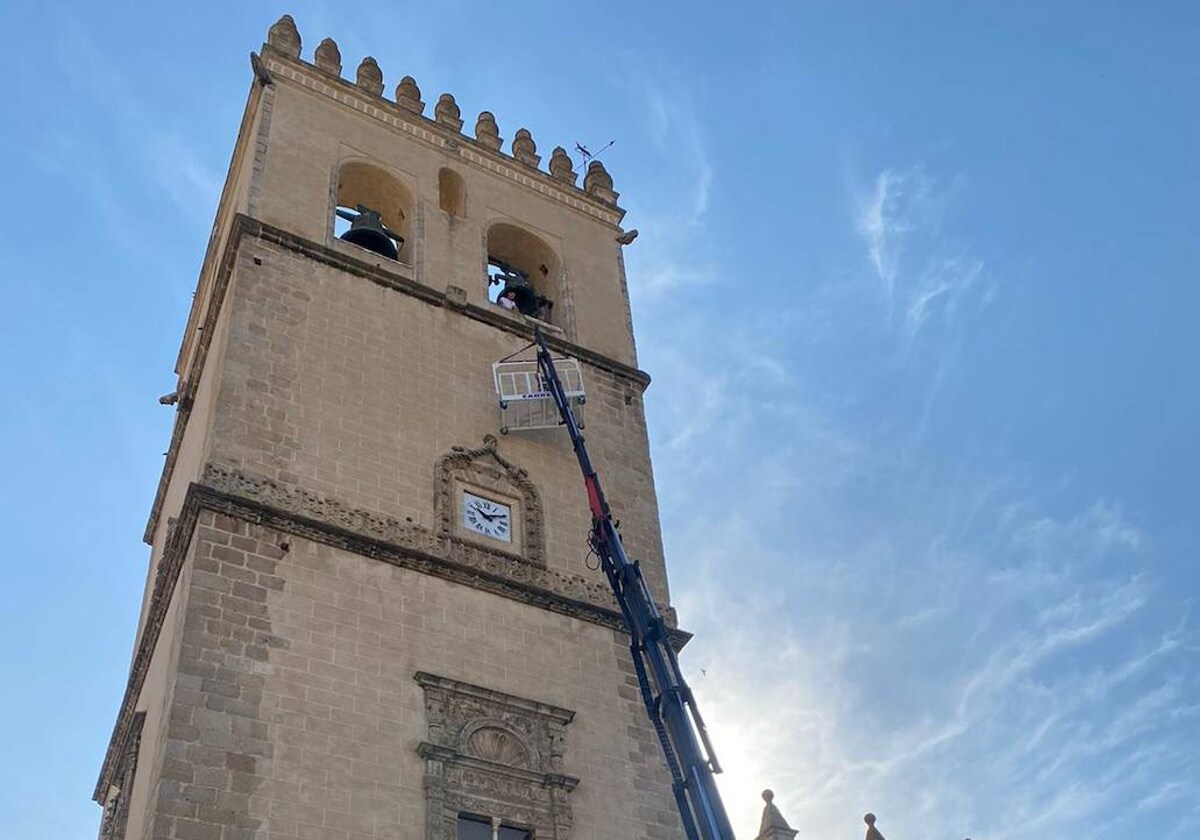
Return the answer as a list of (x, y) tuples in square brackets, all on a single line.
[(493, 755)]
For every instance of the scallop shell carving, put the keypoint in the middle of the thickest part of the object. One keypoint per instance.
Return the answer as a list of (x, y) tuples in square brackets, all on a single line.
[(493, 744)]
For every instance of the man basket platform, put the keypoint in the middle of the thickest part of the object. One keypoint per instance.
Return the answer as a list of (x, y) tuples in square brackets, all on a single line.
[(525, 401)]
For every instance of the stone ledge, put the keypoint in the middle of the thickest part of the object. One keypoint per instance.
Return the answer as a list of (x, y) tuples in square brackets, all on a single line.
[(412, 546), (200, 497)]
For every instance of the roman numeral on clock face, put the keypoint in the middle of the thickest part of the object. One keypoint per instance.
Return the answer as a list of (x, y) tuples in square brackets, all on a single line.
[(487, 517)]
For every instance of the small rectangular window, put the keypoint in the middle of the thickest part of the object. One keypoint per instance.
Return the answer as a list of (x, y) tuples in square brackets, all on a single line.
[(479, 828)]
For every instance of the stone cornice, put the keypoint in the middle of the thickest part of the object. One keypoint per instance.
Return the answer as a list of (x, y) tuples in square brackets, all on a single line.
[(328, 521), (461, 570), (436, 135), (165, 579), (432, 751), (225, 210), (557, 713), (246, 226), (399, 282)]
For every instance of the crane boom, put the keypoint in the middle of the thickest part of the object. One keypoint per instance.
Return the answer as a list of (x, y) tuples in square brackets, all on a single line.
[(665, 693)]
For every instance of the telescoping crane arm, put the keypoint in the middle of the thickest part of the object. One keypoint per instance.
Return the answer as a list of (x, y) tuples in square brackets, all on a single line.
[(669, 701)]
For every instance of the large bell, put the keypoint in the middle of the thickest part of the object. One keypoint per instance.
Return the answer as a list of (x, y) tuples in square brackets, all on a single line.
[(367, 231), (524, 296), (372, 240)]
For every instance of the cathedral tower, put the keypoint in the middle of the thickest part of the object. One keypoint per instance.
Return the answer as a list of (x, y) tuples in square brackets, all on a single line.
[(369, 613)]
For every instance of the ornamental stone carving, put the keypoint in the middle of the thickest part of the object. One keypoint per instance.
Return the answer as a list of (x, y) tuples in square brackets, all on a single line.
[(496, 755), (447, 112), (493, 743), (370, 77), (410, 545), (487, 469), (284, 37), (561, 167), (599, 183), (329, 57), (773, 826), (487, 133), (524, 149), (408, 95)]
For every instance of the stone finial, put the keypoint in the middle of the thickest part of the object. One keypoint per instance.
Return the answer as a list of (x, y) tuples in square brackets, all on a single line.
[(284, 36), (773, 825), (873, 833), (599, 183), (447, 113), (487, 133), (524, 149), (329, 57), (561, 166), (408, 95), (370, 77)]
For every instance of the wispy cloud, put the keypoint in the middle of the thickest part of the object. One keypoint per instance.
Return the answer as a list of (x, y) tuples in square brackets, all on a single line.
[(927, 282), (948, 648), (1011, 736)]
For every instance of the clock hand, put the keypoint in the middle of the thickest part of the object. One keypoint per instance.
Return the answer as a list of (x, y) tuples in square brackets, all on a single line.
[(479, 510)]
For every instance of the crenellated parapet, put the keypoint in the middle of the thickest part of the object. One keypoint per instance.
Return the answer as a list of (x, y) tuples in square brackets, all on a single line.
[(283, 39)]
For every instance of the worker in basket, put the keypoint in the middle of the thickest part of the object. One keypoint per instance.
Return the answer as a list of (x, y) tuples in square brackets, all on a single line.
[(518, 294)]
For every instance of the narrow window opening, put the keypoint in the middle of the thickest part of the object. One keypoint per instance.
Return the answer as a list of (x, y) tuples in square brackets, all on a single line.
[(471, 827)]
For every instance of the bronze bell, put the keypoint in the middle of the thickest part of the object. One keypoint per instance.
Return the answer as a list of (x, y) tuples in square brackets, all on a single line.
[(368, 231), (524, 296), (516, 282)]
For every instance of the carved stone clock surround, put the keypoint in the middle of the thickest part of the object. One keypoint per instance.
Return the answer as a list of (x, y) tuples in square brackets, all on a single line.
[(486, 472)]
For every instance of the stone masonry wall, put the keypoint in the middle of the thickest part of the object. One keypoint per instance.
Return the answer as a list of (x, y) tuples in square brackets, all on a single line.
[(352, 390), (296, 714)]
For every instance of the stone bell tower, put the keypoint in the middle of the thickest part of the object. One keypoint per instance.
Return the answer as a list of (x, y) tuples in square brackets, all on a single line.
[(368, 614)]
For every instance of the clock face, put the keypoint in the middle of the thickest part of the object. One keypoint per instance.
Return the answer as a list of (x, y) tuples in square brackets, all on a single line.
[(483, 516)]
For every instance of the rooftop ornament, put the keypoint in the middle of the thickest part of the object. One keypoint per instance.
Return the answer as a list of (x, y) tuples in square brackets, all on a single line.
[(284, 36), (370, 77), (561, 167), (524, 149), (773, 825), (329, 57), (487, 133), (447, 112), (408, 95)]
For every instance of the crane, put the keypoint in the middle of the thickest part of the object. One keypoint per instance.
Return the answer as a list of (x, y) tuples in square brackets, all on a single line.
[(669, 702)]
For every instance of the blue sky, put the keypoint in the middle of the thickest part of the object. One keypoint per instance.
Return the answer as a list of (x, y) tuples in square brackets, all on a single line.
[(917, 285)]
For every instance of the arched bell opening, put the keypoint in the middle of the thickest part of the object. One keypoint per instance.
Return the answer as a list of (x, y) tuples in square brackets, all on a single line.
[(374, 211), (523, 272)]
